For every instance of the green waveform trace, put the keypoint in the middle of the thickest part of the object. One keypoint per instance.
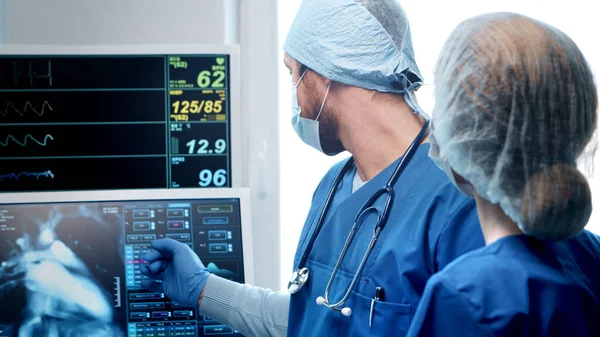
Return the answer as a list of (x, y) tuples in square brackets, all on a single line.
[(32, 75)]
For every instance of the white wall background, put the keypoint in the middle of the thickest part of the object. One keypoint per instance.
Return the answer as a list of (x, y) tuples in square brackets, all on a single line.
[(116, 22), (431, 23)]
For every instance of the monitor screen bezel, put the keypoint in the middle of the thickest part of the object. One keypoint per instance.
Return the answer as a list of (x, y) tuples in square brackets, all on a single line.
[(243, 194), (235, 94)]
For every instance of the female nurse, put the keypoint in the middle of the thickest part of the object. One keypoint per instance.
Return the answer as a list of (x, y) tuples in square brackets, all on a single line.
[(516, 106)]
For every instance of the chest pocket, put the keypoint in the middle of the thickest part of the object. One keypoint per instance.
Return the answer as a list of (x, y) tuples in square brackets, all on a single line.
[(389, 319)]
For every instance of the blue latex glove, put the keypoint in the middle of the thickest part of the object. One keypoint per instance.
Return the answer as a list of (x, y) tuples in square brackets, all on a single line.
[(173, 268)]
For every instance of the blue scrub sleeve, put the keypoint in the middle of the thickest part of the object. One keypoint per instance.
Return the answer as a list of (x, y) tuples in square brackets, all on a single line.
[(444, 312), (461, 234), (253, 311)]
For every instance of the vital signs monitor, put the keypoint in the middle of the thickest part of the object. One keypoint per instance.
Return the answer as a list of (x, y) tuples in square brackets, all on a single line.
[(119, 117)]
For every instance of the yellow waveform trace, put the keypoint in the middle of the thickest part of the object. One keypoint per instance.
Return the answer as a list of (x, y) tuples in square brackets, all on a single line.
[(28, 106)]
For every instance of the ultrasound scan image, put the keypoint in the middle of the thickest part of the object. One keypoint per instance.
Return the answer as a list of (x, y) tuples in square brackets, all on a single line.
[(74, 269), (57, 271)]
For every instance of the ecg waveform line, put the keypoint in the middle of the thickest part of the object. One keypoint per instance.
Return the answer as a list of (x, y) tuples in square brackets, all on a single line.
[(31, 75), (17, 176), (28, 104), (24, 143)]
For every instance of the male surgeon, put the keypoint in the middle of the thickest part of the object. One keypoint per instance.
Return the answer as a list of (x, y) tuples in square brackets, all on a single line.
[(353, 81)]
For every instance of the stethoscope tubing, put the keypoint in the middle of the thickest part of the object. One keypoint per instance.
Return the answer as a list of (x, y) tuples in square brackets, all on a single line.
[(380, 224), (388, 188)]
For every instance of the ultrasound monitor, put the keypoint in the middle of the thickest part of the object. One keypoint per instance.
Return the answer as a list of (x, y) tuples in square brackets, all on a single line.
[(69, 262)]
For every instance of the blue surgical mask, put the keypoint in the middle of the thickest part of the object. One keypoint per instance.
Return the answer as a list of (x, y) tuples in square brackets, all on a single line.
[(306, 129), (442, 163)]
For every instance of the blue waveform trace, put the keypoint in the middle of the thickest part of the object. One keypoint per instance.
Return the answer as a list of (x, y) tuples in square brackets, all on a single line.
[(17, 176), (24, 143)]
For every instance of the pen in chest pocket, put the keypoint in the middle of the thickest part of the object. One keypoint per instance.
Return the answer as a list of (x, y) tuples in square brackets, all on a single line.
[(378, 297)]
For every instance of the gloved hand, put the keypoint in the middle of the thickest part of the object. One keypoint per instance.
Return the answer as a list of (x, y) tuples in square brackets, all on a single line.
[(173, 268)]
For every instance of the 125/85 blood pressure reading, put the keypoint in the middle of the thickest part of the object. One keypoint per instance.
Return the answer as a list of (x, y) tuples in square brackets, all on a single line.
[(197, 106)]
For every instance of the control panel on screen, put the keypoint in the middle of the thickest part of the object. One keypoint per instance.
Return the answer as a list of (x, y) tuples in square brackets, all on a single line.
[(73, 269), (114, 122)]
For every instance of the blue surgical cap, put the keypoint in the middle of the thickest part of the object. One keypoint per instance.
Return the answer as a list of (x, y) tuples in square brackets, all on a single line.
[(515, 107), (353, 43)]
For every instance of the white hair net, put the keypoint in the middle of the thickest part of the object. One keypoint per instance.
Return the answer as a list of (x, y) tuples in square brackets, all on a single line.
[(515, 106), (363, 43)]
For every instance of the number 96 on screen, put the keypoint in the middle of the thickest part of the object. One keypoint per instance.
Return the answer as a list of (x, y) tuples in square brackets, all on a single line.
[(199, 171)]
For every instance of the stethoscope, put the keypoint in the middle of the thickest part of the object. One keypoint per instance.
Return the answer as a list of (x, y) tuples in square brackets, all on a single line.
[(301, 275)]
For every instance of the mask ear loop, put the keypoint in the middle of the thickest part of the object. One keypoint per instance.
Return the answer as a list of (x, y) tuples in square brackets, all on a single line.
[(301, 76), (323, 104)]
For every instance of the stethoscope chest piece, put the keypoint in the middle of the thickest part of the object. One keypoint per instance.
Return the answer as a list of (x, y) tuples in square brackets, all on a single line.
[(298, 279)]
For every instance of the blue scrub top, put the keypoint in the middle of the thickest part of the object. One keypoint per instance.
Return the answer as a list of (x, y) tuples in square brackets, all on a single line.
[(516, 286), (431, 223)]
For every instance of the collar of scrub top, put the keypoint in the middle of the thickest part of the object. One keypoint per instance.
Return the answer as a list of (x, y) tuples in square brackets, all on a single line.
[(369, 208), (301, 274)]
